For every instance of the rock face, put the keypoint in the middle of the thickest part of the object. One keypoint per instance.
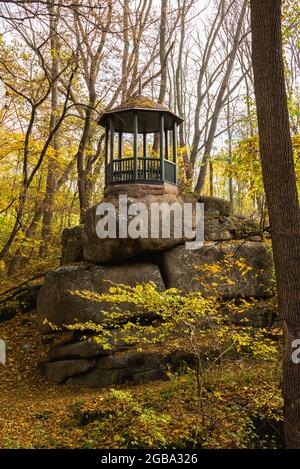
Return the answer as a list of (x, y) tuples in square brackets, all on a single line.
[(83, 364), (72, 245), (218, 229), (214, 206), (82, 349), (60, 371), (228, 282), (229, 265), (132, 367), (225, 228), (108, 250), (56, 304), (78, 246), (259, 315), (82, 243)]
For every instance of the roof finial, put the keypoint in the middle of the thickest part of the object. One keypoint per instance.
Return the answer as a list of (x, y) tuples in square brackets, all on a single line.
[(140, 86)]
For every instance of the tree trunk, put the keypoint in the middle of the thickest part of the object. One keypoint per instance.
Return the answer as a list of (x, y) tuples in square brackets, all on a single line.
[(211, 179), (125, 50), (52, 169), (219, 102), (229, 133), (281, 191), (162, 58)]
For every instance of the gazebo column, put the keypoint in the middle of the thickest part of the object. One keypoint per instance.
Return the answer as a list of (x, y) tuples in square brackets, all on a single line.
[(112, 147), (135, 145), (162, 147), (174, 135), (106, 143), (120, 155), (144, 155), (167, 144), (120, 147)]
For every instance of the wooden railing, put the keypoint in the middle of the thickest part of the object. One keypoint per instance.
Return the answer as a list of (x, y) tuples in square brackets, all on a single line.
[(170, 171), (146, 169)]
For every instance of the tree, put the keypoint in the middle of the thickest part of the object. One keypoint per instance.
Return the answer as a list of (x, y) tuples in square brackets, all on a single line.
[(281, 191), (220, 102), (54, 14)]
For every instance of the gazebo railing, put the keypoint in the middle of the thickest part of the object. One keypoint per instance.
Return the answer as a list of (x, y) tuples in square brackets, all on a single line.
[(147, 169), (170, 171)]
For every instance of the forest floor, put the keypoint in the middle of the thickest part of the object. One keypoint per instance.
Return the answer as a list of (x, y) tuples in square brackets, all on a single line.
[(242, 405)]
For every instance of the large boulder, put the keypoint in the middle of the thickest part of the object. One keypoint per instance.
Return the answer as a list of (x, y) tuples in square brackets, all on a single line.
[(215, 206), (244, 228), (225, 269), (117, 340), (132, 367), (60, 371), (82, 243), (225, 228), (218, 229), (260, 314), (77, 350), (113, 250), (59, 307)]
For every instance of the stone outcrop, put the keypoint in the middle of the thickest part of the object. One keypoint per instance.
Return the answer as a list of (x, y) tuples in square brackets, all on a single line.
[(78, 246), (259, 315), (100, 370), (82, 243), (87, 363), (58, 306), (225, 228), (232, 263), (79, 350), (112, 250), (130, 367), (60, 371), (180, 269), (214, 206)]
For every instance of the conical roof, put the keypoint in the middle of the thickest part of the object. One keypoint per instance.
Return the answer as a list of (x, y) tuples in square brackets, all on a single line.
[(148, 115), (140, 102)]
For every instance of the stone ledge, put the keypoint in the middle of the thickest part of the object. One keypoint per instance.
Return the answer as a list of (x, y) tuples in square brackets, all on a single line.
[(140, 190)]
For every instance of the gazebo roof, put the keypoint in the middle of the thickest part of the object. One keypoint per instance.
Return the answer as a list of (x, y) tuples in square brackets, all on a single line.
[(148, 115)]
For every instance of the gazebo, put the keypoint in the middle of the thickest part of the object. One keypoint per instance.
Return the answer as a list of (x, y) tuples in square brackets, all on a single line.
[(140, 116)]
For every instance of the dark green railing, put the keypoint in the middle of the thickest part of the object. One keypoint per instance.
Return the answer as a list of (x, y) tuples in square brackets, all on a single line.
[(141, 170)]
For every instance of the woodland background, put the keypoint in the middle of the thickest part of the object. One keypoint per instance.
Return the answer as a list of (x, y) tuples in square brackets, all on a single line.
[(63, 63)]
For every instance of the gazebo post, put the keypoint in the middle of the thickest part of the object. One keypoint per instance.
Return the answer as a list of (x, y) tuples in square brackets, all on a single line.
[(144, 155), (120, 149), (106, 140), (174, 135), (135, 145), (145, 145), (167, 144), (120, 155), (162, 145), (112, 148)]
